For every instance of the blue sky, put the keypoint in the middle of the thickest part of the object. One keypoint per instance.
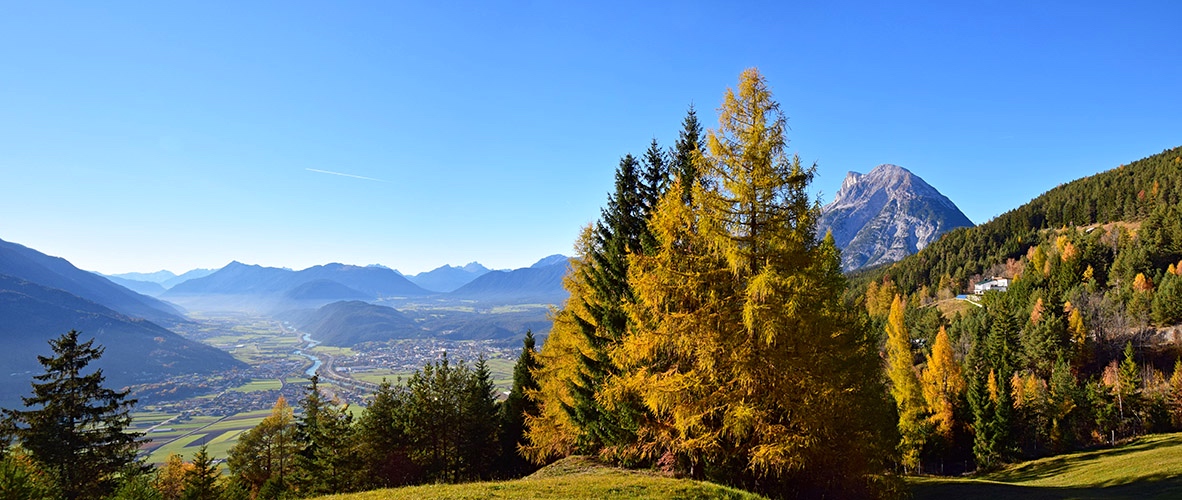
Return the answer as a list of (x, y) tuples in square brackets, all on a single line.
[(163, 135)]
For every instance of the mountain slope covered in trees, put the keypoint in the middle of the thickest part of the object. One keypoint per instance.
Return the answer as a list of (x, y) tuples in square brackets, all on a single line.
[(1079, 348), (137, 350)]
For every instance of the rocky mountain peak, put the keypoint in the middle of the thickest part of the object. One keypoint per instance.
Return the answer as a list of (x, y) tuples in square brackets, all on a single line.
[(885, 215)]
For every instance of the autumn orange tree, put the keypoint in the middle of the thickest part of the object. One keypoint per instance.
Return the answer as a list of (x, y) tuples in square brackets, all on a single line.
[(751, 368)]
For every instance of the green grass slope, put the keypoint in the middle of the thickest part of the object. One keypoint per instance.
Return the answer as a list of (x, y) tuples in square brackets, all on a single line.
[(573, 477), (1148, 468)]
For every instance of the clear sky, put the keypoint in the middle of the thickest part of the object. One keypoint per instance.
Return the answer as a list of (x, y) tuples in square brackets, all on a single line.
[(137, 136)]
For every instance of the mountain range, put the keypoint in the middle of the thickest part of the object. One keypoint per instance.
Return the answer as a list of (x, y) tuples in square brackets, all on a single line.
[(166, 279), (243, 287), (539, 283), (886, 215), (42, 297), (30, 265), (448, 278)]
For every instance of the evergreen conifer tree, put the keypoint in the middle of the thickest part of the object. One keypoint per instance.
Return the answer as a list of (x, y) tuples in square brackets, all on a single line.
[(74, 426), (327, 461), (201, 481), (382, 440), (686, 155), (655, 178), (516, 407), (622, 229), (1128, 390), (479, 444)]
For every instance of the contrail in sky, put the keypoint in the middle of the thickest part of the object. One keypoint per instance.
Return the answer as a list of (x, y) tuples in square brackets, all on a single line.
[(343, 174)]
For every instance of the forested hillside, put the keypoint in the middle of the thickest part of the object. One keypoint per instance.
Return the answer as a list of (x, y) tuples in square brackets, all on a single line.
[(1148, 190), (1079, 349)]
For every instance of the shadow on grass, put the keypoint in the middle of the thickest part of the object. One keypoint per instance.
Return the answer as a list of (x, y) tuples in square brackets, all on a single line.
[(1054, 466), (1163, 487)]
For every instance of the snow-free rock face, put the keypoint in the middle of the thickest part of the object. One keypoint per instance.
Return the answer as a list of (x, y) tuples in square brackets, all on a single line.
[(886, 215)]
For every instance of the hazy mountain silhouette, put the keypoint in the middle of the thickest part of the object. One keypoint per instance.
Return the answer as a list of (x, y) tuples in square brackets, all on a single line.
[(240, 286), (149, 288), (448, 278), (54, 272), (136, 350), (541, 283)]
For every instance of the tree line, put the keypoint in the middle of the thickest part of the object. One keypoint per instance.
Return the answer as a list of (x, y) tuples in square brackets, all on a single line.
[(444, 425)]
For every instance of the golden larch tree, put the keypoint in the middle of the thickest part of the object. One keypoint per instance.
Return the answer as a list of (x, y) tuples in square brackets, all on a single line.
[(942, 385), (752, 370), (905, 388)]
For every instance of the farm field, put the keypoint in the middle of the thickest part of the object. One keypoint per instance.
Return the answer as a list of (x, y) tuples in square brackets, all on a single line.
[(167, 433)]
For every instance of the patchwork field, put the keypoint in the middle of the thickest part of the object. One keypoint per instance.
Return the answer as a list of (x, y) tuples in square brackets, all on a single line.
[(185, 435)]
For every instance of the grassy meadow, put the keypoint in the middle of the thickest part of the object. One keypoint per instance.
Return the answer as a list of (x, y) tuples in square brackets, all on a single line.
[(573, 477), (1147, 468)]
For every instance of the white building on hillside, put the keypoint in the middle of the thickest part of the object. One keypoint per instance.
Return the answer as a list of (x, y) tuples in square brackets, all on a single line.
[(994, 283)]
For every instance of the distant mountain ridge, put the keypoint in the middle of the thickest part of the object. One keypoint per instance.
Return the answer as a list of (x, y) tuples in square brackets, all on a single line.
[(448, 278), (136, 350), (149, 288), (241, 286), (30, 265), (158, 277), (886, 215), (166, 279), (540, 283)]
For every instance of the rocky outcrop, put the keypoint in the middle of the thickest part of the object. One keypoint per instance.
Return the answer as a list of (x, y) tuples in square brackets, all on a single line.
[(885, 215)]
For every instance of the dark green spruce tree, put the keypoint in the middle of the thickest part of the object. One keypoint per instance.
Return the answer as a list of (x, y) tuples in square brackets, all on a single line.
[(327, 461), (201, 482), (514, 409), (382, 441), (994, 356), (656, 176), (74, 426), (689, 146), (620, 230), (479, 443)]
